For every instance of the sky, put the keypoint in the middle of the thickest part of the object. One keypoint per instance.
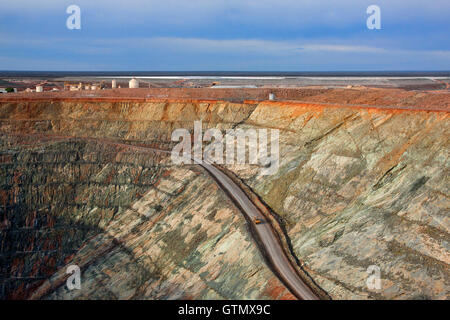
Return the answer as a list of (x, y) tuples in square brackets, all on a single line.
[(225, 35)]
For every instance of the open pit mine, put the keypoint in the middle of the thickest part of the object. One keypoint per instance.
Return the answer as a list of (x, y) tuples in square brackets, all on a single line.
[(362, 184)]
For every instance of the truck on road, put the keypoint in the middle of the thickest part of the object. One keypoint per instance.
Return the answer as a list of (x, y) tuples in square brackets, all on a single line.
[(257, 220)]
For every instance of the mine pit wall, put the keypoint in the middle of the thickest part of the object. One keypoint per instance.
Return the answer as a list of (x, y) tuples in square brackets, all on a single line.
[(433, 100), (56, 196), (361, 187), (137, 226), (356, 186)]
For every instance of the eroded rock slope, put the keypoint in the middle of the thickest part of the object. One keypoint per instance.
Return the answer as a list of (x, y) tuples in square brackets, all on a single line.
[(356, 187)]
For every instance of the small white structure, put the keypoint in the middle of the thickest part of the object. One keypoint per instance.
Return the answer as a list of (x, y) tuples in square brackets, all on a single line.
[(94, 87), (114, 84), (39, 89), (134, 83), (271, 96), (87, 87)]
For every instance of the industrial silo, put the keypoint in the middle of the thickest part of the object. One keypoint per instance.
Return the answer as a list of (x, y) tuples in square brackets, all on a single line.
[(134, 83)]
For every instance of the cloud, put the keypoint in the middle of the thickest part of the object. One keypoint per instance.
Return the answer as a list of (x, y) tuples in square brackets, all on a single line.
[(343, 48), (44, 64), (165, 53), (297, 14), (158, 34)]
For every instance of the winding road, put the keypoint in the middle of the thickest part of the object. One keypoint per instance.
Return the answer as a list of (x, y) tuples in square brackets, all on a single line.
[(268, 238)]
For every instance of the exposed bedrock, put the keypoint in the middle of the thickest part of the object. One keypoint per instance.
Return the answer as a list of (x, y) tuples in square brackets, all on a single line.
[(356, 187)]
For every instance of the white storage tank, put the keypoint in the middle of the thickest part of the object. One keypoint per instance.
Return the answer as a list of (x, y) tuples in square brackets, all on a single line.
[(134, 83), (114, 84), (39, 89)]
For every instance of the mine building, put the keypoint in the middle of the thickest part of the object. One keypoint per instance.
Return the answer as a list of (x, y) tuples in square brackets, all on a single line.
[(134, 83)]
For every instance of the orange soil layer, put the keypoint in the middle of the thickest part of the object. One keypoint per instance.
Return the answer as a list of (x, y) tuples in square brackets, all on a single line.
[(362, 97)]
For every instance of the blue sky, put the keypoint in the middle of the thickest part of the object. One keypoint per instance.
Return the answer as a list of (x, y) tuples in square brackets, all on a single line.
[(228, 35)]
